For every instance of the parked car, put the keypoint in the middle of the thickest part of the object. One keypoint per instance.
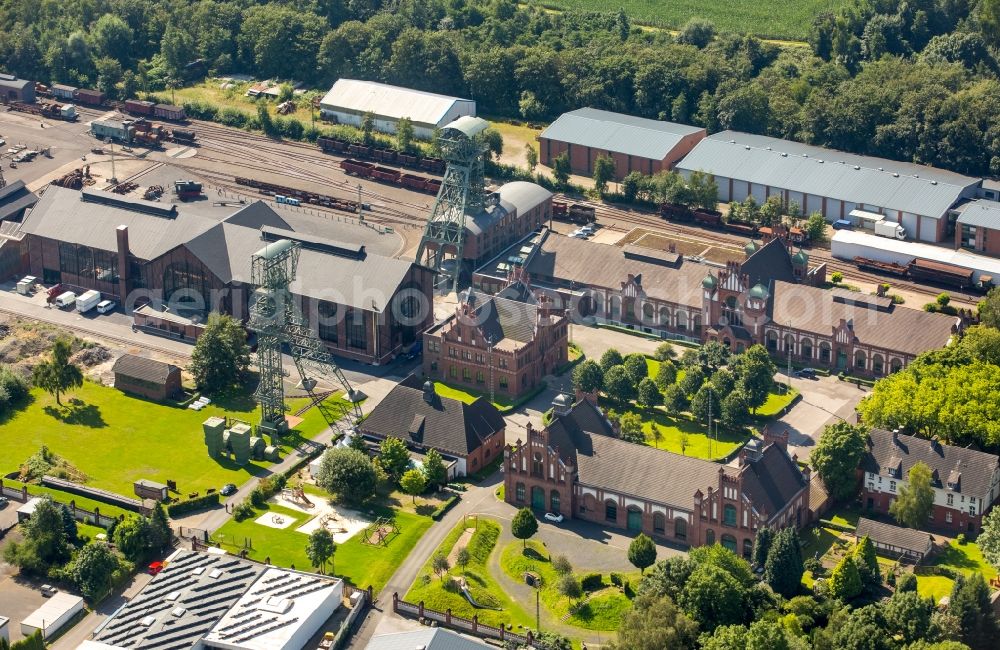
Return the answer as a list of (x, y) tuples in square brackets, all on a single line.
[(456, 487), (554, 517), (227, 490), (806, 373), (578, 234), (587, 230), (49, 590), (105, 306), (3, 502)]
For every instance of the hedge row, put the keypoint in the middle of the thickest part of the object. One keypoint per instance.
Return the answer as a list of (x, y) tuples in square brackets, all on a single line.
[(190, 505), (444, 507), (826, 523)]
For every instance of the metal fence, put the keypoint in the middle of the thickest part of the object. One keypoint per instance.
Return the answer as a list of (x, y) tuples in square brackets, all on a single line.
[(467, 625), (80, 514)]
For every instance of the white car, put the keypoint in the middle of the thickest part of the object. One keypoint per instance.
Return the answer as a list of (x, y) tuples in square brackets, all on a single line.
[(587, 230), (576, 234), (554, 517), (105, 306)]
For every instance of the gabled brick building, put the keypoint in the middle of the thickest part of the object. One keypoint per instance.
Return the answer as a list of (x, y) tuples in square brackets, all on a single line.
[(578, 467), (506, 343), (966, 482)]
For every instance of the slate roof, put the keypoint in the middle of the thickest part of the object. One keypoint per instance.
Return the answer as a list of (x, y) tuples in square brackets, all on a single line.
[(14, 198), (626, 134), (143, 368), (427, 638), (444, 423), (589, 263), (974, 469), (883, 533), (770, 262), (585, 438), (773, 480), (888, 184), (390, 101), (814, 310), (980, 213), (502, 319)]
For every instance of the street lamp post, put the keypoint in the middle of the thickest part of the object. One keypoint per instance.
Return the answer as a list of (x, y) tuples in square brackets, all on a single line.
[(114, 176)]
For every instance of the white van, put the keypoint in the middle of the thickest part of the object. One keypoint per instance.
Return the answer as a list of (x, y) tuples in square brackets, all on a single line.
[(88, 300), (65, 299), (105, 306)]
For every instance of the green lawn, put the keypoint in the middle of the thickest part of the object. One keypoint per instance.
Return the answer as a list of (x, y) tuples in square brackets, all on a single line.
[(783, 19), (699, 443), (776, 402), (484, 588), (845, 516), (65, 497), (961, 558), (468, 395), (602, 613), (359, 563), (934, 587), (116, 439)]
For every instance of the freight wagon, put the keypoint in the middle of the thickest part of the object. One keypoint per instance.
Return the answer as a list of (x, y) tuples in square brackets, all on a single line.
[(183, 136), (88, 97), (53, 111), (287, 194), (574, 213), (168, 112), (389, 175), (139, 107), (334, 145), (63, 92)]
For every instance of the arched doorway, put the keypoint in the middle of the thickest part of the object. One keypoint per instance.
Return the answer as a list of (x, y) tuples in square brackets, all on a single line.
[(680, 528), (634, 520), (537, 498)]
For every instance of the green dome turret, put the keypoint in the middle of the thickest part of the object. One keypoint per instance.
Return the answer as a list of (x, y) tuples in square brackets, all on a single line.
[(759, 292), (709, 282), (750, 248), (800, 258)]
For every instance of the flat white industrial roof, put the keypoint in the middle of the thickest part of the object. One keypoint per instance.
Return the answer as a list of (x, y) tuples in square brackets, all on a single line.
[(270, 613), (53, 609), (29, 507), (896, 250), (389, 101)]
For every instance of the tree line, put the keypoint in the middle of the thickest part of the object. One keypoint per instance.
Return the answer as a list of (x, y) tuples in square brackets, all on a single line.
[(915, 80)]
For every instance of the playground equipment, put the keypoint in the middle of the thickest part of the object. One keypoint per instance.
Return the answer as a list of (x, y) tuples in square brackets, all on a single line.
[(298, 497), (380, 532), (329, 522)]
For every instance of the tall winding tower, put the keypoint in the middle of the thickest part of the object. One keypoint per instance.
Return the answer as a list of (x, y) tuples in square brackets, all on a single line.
[(462, 195)]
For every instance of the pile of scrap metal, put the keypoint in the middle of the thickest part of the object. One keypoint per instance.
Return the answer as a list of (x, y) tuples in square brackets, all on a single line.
[(153, 192), (75, 179)]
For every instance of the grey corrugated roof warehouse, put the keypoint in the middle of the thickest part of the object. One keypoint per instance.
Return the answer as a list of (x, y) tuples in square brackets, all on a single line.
[(627, 134), (980, 213), (15, 199), (428, 639), (349, 99), (875, 183)]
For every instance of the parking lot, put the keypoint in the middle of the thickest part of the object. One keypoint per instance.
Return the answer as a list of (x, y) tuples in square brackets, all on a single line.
[(18, 597), (825, 400)]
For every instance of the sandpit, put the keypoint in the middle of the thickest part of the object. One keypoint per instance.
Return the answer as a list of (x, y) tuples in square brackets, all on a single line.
[(343, 523), (274, 520)]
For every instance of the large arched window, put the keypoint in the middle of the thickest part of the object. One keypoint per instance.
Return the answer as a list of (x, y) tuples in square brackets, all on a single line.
[(537, 468), (789, 342), (807, 349), (659, 522), (729, 543), (895, 365), (731, 311), (610, 510), (664, 317), (824, 352), (186, 282), (772, 340), (859, 359), (729, 514), (648, 311), (709, 537), (878, 365), (519, 493), (747, 549), (554, 501), (680, 528)]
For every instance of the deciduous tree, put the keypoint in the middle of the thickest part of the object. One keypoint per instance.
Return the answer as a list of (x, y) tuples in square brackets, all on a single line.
[(754, 372), (630, 428), (440, 565), (221, 356), (970, 603), (837, 456), (434, 469), (561, 169), (395, 457), (320, 548), (916, 498), (666, 375), (413, 483), (347, 473), (604, 172), (404, 134), (611, 358), (635, 366), (588, 377), (92, 569), (655, 622), (648, 394), (618, 384)]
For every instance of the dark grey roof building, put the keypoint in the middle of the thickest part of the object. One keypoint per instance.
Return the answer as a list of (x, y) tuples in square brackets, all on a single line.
[(966, 482), (895, 541), (15, 199), (13, 89), (412, 411), (426, 639), (579, 467)]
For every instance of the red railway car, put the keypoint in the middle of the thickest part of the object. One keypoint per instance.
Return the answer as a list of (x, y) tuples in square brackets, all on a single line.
[(386, 174), (168, 112), (675, 212), (139, 107), (88, 97), (433, 186), (361, 150), (706, 218), (413, 182), (357, 167), (747, 229)]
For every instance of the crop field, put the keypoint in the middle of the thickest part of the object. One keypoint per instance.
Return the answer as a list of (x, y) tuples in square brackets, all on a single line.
[(779, 19)]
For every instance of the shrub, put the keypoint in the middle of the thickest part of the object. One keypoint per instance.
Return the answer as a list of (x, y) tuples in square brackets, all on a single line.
[(960, 539), (617, 579), (243, 511), (591, 581), (837, 277), (444, 507), (190, 505)]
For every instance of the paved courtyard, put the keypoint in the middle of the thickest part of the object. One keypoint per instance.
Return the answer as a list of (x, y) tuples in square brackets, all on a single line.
[(825, 400)]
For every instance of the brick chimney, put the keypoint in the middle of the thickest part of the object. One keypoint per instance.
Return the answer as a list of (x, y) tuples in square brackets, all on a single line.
[(123, 280), (780, 439)]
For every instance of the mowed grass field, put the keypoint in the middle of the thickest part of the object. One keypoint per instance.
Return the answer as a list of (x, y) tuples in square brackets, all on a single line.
[(116, 439), (779, 19)]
